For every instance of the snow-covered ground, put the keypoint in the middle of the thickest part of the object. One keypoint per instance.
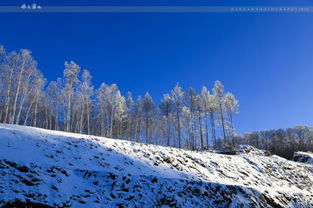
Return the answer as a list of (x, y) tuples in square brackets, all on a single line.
[(61, 169)]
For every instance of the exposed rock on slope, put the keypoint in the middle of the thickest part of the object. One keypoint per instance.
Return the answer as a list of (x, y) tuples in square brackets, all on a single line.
[(60, 169), (240, 149), (304, 157)]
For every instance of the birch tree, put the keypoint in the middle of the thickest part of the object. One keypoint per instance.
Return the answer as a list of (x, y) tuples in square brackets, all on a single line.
[(24, 58), (86, 92), (29, 83), (39, 83), (101, 100), (119, 114), (178, 97), (199, 108), (205, 103), (138, 112), (130, 104), (213, 109), (71, 79), (231, 106), (187, 121), (166, 108), (218, 91), (191, 102), (181, 119), (148, 108), (8, 69)]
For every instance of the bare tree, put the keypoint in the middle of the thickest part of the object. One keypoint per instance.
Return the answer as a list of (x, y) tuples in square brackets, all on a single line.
[(199, 108), (181, 119), (138, 112), (85, 94), (218, 91), (71, 78), (166, 108), (148, 108), (23, 59), (130, 115), (9, 67), (178, 97), (191, 102), (231, 105)]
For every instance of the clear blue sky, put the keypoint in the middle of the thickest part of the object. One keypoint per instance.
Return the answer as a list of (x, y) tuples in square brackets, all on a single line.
[(265, 59)]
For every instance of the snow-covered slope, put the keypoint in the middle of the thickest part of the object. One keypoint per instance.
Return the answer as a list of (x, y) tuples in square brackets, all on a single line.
[(41, 167)]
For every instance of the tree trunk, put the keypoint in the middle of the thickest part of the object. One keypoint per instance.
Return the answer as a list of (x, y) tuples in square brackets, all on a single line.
[(88, 119), (200, 125), (147, 136), (7, 100), (223, 123), (168, 130), (206, 128), (81, 120), (17, 92), (178, 128), (68, 113), (28, 111), (213, 127), (36, 109), (231, 126)]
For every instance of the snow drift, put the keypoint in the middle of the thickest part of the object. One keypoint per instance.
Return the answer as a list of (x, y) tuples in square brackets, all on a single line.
[(43, 168)]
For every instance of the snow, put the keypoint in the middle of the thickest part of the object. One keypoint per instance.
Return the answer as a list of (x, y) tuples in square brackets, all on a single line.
[(73, 170)]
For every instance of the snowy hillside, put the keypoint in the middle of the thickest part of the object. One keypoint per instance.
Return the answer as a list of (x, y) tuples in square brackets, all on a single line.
[(41, 167)]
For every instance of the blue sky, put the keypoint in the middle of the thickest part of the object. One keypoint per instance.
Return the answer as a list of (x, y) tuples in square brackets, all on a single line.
[(265, 59)]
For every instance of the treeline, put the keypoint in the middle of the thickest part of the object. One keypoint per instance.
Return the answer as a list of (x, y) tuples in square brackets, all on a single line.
[(184, 119), (282, 142)]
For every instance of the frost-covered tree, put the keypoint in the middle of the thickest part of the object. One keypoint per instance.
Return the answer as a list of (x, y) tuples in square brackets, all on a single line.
[(148, 109), (71, 73), (186, 123), (29, 83), (231, 106), (55, 100), (204, 100), (213, 110), (192, 103), (166, 108), (112, 105), (39, 83), (181, 119), (101, 102), (85, 94), (24, 64), (52, 97), (200, 110), (8, 70), (178, 97), (18, 75), (218, 92), (120, 110), (130, 105), (138, 119), (2, 81)]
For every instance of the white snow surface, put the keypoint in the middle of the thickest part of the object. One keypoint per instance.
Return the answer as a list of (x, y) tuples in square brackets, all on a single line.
[(60, 169)]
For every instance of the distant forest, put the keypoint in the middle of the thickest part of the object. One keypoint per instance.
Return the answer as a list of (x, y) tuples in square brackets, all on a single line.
[(282, 142), (183, 118)]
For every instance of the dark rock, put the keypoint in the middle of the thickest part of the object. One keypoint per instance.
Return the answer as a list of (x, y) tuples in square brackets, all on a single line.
[(27, 182)]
